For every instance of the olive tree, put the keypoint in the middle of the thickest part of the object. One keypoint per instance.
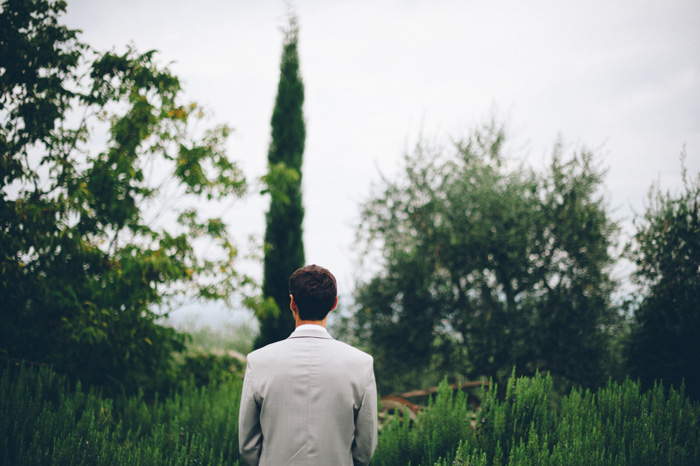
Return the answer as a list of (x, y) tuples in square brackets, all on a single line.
[(486, 264), (666, 250)]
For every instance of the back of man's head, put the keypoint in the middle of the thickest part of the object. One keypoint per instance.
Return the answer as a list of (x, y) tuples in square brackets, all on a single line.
[(314, 290)]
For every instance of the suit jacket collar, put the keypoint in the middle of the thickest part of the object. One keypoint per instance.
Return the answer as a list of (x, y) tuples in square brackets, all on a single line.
[(310, 331)]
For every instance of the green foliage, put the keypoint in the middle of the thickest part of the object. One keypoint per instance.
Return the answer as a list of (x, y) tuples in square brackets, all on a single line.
[(526, 411), (664, 342), (618, 425), (284, 247), (92, 237), (436, 432), (487, 264), (204, 368), (214, 354), (44, 422)]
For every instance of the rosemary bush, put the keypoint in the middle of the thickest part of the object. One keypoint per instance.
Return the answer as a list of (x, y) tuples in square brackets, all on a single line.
[(45, 421)]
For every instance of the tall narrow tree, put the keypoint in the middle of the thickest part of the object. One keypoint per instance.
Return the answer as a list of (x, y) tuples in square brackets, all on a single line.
[(284, 247)]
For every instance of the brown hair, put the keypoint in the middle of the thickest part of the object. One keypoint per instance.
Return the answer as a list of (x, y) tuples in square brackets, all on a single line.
[(314, 290)]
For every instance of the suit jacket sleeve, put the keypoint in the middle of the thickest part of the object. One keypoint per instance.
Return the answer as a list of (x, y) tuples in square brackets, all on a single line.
[(249, 431), (366, 425)]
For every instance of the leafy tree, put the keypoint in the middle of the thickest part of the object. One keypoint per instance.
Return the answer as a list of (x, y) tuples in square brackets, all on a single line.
[(284, 246), (485, 265), (664, 342), (92, 241)]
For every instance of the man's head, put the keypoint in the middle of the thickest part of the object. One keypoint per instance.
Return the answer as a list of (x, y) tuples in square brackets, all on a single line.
[(314, 291)]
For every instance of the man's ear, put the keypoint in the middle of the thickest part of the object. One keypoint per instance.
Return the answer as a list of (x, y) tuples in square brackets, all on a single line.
[(336, 304), (292, 304)]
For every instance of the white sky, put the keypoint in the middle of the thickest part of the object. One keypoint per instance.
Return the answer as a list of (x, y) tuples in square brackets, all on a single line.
[(621, 77)]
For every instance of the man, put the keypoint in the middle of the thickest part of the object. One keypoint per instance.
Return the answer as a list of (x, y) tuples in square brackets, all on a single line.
[(309, 399)]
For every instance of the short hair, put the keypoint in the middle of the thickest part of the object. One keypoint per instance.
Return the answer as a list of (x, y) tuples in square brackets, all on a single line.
[(314, 290)]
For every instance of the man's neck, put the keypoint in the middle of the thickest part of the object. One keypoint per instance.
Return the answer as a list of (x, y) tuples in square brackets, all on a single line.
[(322, 323)]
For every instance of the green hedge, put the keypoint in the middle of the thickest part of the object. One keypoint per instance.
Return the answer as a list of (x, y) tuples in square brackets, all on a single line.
[(43, 421), (618, 425), (436, 432)]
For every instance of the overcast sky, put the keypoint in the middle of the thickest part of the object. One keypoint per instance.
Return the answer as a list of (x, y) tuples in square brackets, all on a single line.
[(620, 77)]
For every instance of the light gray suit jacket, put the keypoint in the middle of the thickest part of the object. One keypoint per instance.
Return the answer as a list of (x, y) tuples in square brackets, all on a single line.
[(308, 400)]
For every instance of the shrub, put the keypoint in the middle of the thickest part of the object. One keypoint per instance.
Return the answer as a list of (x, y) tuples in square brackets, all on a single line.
[(45, 421), (207, 367), (618, 425), (436, 432)]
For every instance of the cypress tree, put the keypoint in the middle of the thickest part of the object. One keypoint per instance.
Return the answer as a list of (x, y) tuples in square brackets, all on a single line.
[(284, 247)]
